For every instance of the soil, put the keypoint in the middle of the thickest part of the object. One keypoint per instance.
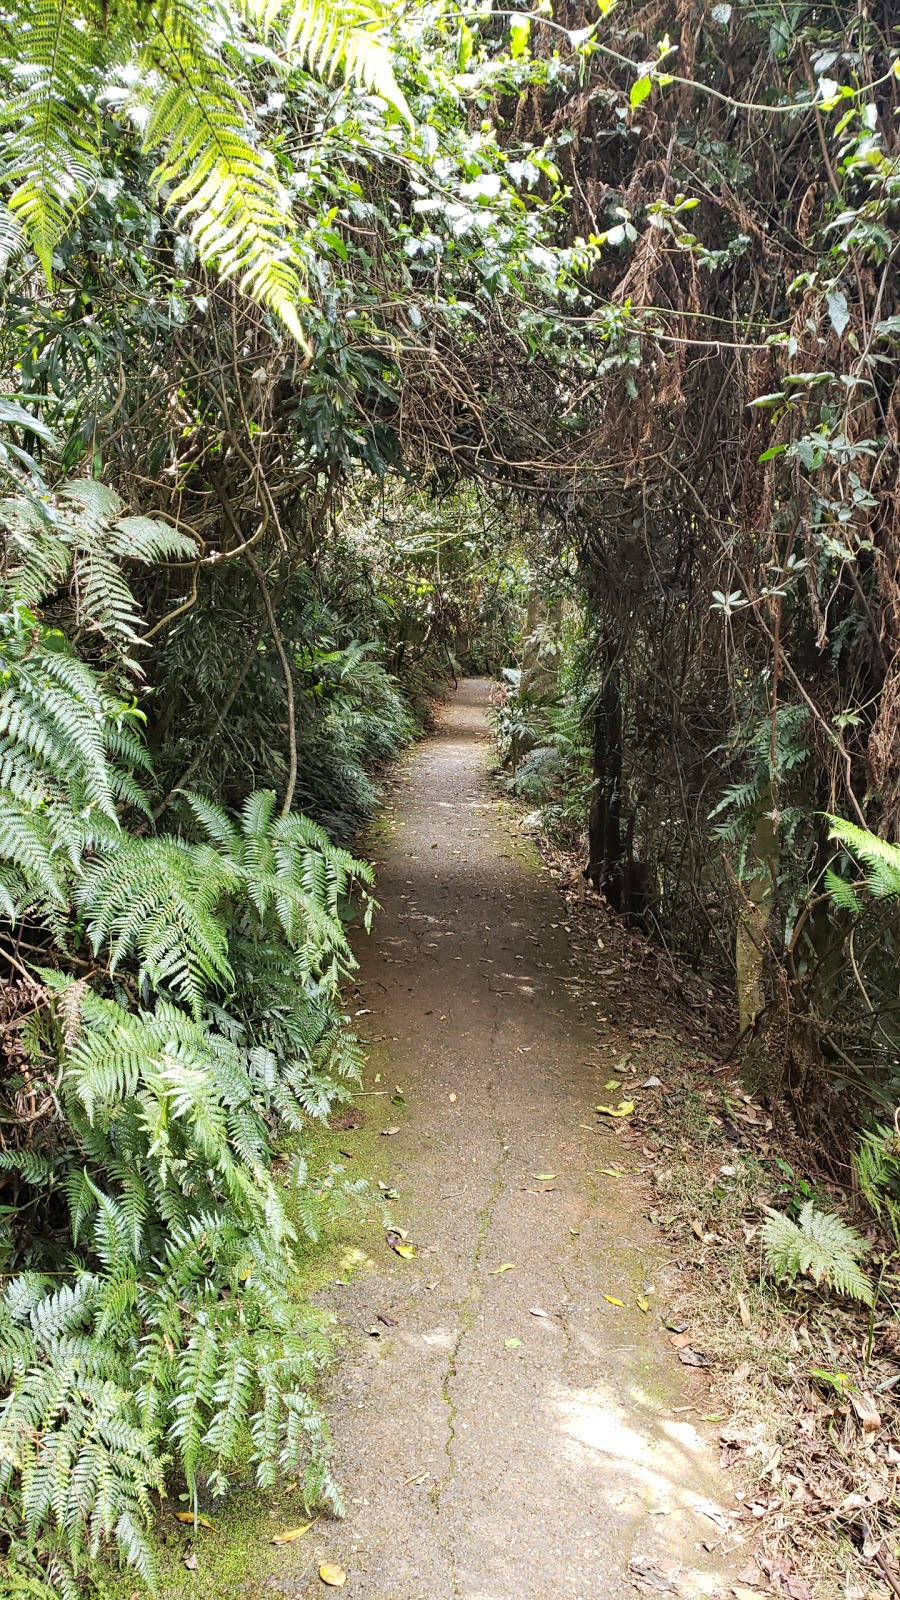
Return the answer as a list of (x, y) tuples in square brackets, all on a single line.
[(504, 1431)]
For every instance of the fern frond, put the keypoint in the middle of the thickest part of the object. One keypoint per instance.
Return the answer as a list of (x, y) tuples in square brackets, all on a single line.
[(335, 35), (52, 123), (880, 857), (819, 1246)]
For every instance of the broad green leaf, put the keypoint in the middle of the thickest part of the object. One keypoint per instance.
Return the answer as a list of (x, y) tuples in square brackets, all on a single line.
[(519, 34)]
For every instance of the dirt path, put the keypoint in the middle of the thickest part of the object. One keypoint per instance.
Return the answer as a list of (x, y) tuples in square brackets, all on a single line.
[(510, 1435)]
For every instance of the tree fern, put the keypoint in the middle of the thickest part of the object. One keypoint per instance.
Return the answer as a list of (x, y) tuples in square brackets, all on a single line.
[(819, 1246), (52, 124)]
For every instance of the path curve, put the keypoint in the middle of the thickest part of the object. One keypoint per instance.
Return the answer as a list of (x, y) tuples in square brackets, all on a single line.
[(476, 1468)]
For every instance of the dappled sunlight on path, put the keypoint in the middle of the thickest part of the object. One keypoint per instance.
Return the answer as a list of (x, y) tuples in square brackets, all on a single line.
[(505, 1433)]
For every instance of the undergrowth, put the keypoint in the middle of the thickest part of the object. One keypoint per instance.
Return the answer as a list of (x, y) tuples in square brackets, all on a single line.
[(174, 1029)]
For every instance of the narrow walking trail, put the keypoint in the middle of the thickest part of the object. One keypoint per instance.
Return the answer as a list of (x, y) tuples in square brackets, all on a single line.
[(510, 1434)]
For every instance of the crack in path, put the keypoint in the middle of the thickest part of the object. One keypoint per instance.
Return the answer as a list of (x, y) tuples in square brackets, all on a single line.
[(484, 1449)]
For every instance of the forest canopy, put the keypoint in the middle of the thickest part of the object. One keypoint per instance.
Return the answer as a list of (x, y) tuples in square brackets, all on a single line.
[(331, 334)]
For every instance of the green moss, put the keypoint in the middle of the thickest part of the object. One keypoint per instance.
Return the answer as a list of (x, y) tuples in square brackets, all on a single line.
[(236, 1559)]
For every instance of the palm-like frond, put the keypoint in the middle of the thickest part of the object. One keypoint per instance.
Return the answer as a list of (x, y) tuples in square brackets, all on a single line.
[(331, 37), (193, 105), (52, 126)]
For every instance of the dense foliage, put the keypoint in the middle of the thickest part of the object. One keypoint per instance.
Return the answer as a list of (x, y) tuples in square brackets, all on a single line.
[(343, 342)]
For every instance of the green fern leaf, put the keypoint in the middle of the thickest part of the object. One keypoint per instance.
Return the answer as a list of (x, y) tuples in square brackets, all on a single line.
[(819, 1246)]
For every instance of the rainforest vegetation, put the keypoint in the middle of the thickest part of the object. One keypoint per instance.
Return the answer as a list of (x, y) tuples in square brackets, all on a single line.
[(345, 347)]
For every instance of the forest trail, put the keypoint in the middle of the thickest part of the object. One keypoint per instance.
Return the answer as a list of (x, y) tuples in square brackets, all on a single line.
[(476, 1468)]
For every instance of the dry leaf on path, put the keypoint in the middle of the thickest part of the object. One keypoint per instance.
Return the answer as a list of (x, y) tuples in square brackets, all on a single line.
[(536, 1311), (651, 1576), (188, 1516), (693, 1358), (642, 1304), (288, 1535), (333, 1575), (680, 1340), (623, 1109), (544, 1177), (386, 1132), (613, 1301), (190, 1561), (744, 1310), (506, 1267)]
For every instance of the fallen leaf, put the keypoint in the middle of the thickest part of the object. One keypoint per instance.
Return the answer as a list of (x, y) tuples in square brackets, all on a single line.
[(536, 1311), (290, 1534), (452, 1099), (708, 1508), (623, 1109), (796, 1588), (190, 1561), (610, 1172), (866, 1410), (613, 1301), (188, 1516), (693, 1358), (386, 1132), (512, 1344), (652, 1576), (698, 1228), (333, 1575), (407, 1251), (652, 1083), (642, 1304), (506, 1267), (744, 1310), (680, 1341), (614, 1083), (543, 1177)]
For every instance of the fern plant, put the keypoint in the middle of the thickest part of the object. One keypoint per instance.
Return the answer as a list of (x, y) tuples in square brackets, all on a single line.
[(185, 1024), (876, 1162), (183, 71), (880, 858), (818, 1246)]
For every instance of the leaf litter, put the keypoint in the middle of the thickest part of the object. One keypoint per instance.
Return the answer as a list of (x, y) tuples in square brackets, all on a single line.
[(824, 1512)]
